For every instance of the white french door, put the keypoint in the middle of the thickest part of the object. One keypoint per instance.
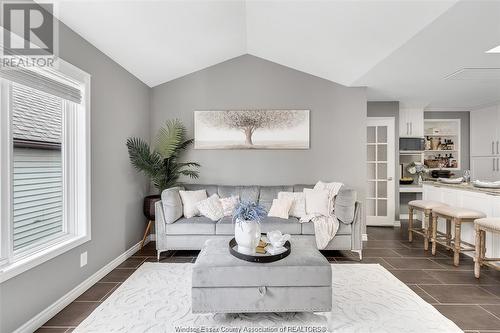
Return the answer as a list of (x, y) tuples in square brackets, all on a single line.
[(380, 200)]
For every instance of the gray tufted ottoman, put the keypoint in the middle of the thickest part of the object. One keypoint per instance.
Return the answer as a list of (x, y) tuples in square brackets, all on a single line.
[(301, 282)]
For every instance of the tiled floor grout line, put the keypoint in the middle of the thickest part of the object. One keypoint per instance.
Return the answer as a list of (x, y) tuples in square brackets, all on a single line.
[(494, 315), (425, 292), (109, 292)]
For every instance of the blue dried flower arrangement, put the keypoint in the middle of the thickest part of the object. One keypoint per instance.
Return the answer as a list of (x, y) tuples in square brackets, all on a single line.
[(249, 211)]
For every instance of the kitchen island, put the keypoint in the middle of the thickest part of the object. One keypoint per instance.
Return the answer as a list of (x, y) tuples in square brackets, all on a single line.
[(467, 196)]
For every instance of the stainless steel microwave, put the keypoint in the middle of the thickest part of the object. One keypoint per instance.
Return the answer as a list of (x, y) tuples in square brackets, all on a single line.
[(412, 144)]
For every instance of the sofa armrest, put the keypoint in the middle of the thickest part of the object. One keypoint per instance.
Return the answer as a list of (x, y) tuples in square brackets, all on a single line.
[(357, 228), (160, 227)]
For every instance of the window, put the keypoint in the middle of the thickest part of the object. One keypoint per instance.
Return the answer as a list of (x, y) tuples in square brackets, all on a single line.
[(45, 165), (37, 184)]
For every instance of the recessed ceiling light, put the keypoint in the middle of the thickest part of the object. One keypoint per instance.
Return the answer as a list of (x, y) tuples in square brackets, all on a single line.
[(494, 50)]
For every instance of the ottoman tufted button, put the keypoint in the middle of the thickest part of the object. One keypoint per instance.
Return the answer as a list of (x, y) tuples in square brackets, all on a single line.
[(262, 290)]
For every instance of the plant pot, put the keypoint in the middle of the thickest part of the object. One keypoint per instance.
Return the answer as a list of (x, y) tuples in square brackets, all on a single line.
[(149, 206), (247, 236)]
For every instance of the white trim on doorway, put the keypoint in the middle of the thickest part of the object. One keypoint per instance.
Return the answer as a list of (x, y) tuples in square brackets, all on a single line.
[(389, 178)]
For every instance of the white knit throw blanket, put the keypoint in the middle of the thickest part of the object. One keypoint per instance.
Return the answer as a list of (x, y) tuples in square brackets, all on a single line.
[(325, 227)]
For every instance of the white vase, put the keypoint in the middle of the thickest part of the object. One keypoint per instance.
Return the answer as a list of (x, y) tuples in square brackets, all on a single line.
[(247, 235)]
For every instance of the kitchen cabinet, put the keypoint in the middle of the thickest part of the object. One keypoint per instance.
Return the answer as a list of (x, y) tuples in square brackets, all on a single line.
[(486, 168), (485, 131), (411, 123)]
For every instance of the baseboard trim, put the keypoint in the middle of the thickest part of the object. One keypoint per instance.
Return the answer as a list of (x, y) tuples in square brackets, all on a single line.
[(364, 237), (41, 318)]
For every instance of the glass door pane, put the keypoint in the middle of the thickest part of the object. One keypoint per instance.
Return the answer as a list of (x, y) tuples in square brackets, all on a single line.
[(377, 159)]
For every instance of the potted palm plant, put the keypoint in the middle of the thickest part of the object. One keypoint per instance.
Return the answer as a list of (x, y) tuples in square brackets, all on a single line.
[(162, 164)]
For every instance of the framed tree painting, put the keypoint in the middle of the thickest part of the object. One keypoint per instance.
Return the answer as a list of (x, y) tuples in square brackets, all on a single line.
[(251, 129)]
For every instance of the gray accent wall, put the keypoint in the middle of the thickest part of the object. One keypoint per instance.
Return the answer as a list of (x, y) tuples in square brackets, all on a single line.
[(464, 117), (119, 109), (337, 123), (390, 109)]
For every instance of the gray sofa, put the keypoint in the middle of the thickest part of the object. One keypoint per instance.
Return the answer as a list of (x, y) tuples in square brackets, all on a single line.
[(182, 233)]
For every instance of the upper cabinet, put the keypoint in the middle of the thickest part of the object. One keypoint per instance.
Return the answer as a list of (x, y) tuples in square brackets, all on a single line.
[(411, 123), (485, 131)]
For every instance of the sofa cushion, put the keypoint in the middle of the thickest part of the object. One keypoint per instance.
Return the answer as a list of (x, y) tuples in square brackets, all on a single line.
[(198, 225), (211, 189), (172, 204), (246, 193), (345, 204), (301, 187), (344, 229), (287, 226), (268, 193), (225, 226)]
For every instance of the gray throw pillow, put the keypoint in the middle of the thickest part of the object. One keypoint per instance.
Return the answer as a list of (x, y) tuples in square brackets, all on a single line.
[(172, 204)]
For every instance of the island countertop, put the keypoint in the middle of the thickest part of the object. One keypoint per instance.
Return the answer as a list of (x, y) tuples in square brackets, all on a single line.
[(464, 186)]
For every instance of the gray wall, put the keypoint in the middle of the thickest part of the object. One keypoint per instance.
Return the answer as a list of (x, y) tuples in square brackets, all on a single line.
[(464, 117), (389, 109), (119, 109), (337, 116)]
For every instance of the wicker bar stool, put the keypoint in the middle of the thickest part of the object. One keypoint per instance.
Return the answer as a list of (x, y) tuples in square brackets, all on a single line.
[(457, 216), (425, 206), (482, 226)]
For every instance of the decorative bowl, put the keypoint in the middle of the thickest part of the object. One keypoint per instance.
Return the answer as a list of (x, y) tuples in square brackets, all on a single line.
[(406, 181)]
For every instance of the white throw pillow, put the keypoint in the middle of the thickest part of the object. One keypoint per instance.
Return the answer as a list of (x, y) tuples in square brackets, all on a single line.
[(189, 201), (317, 202), (281, 208), (211, 208), (229, 204), (298, 208)]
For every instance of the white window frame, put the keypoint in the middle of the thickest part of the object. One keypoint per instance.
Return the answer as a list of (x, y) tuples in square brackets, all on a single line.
[(76, 179)]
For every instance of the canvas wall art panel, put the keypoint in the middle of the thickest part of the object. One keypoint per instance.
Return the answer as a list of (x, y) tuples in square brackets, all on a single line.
[(251, 129)]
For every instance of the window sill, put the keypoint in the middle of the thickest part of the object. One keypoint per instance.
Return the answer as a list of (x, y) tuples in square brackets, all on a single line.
[(11, 270)]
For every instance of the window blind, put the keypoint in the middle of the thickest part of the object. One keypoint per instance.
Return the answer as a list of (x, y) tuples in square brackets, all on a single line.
[(51, 83)]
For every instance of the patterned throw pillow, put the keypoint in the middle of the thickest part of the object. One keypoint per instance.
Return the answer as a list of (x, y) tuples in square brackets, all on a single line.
[(189, 201), (228, 204), (211, 208), (298, 208), (281, 208)]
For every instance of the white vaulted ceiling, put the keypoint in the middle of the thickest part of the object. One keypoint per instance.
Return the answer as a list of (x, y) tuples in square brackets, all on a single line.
[(401, 50)]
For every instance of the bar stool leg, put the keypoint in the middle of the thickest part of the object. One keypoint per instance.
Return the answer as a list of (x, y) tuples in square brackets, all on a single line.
[(477, 254), (483, 246), (426, 225), (410, 224), (448, 232), (434, 233), (456, 254)]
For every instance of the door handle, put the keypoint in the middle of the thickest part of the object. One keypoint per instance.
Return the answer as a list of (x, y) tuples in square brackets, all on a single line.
[(492, 147), (498, 164), (411, 128), (497, 148), (494, 165), (389, 179)]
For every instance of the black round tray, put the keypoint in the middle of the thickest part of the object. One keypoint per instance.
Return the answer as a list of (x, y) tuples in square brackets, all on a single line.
[(262, 258)]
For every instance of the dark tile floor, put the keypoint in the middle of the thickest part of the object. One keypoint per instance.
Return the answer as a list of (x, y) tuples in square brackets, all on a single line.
[(474, 305)]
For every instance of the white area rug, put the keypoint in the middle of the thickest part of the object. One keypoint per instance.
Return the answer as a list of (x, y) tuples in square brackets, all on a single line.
[(366, 298)]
